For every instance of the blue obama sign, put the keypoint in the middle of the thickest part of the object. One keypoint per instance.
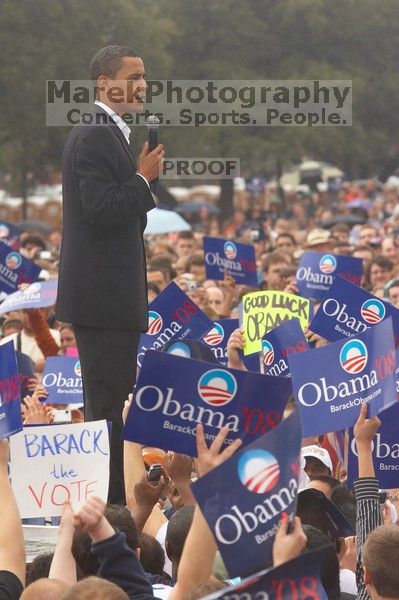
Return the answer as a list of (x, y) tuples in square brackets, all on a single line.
[(9, 234), (331, 382), (62, 378), (316, 272), (287, 338), (37, 295), (385, 450), (15, 269), (297, 579), (10, 400), (217, 339), (237, 259), (348, 310), (172, 315), (26, 370), (242, 500), (173, 394)]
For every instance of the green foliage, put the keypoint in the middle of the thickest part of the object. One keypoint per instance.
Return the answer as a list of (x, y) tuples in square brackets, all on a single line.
[(224, 39)]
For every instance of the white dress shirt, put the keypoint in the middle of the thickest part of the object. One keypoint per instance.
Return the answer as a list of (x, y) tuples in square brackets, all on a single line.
[(125, 129)]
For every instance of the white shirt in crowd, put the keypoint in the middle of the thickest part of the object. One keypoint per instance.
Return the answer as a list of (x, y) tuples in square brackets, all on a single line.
[(29, 345)]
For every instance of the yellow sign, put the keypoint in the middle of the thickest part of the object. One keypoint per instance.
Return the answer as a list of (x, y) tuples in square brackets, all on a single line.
[(263, 311)]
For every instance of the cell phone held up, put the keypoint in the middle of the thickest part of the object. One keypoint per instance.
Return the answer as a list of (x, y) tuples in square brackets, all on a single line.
[(155, 473), (62, 416)]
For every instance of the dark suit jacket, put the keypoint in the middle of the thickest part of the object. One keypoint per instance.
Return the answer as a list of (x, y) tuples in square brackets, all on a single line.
[(102, 280)]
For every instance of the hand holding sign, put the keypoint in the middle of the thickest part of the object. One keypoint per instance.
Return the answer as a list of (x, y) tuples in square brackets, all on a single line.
[(289, 542), (173, 394), (263, 311), (385, 448), (34, 412), (51, 465), (235, 344), (360, 369), (212, 457), (242, 499), (365, 429)]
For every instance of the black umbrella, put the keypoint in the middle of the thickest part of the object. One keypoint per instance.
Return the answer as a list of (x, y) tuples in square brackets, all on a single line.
[(352, 219), (197, 206), (35, 226)]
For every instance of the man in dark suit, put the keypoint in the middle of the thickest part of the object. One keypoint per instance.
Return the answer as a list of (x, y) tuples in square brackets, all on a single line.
[(102, 282)]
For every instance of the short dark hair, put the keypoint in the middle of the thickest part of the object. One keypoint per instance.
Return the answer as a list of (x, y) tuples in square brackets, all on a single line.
[(197, 260), (39, 568), (286, 235), (330, 481), (383, 262), (152, 287), (152, 556), (185, 235), (65, 326), (33, 239), (120, 518), (108, 60), (178, 527), (274, 258)]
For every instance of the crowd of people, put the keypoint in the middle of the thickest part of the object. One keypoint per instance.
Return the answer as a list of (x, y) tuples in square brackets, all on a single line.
[(159, 544)]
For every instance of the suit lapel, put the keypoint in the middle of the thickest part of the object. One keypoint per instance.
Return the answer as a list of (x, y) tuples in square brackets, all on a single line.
[(115, 129), (128, 150)]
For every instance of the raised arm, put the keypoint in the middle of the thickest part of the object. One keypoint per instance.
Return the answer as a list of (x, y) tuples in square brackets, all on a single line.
[(234, 345), (368, 511), (118, 563), (134, 471), (63, 565), (199, 550)]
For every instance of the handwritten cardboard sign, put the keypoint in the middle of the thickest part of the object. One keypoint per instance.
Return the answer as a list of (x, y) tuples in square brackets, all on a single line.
[(263, 311), (54, 464)]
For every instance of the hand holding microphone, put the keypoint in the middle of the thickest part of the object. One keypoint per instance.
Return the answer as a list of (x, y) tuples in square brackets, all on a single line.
[(151, 157)]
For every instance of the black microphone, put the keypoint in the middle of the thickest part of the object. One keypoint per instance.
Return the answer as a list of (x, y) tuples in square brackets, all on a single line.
[(152, 123)]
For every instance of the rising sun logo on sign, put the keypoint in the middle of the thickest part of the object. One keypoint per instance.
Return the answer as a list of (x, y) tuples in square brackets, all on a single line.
[(258, 471), (353, 356), (217, 387)]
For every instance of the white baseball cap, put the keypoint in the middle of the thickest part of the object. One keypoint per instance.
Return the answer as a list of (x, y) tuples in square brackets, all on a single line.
[(320, 453)]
